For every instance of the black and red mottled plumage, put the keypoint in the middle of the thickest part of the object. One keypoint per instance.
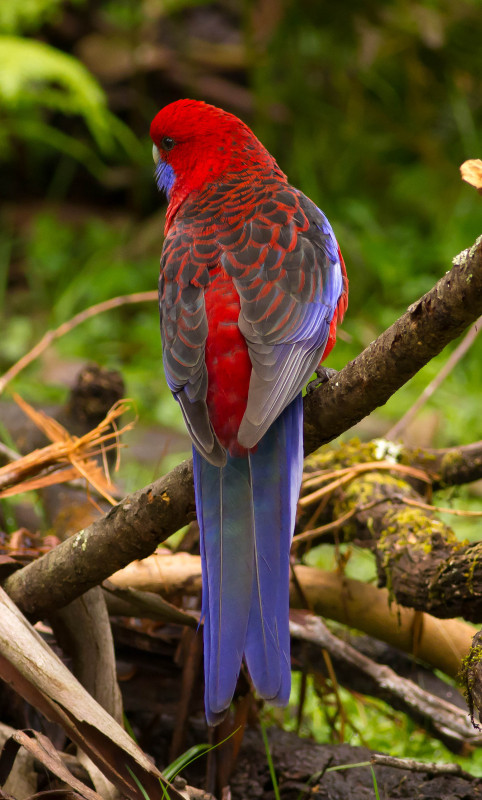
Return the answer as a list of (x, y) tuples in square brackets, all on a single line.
[(252, 287)]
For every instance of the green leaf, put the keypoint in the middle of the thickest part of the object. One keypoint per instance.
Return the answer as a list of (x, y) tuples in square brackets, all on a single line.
[(34, 74), (184, 759)]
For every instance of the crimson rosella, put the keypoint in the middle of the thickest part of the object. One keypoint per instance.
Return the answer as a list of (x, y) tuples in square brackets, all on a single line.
[(252, 286)]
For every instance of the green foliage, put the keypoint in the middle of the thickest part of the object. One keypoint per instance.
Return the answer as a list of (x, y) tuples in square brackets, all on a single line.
[(180, 763), (194, 752), (140, 786), (381, 104), (34, 74), (36, 81), (20, 15), (269, 759)]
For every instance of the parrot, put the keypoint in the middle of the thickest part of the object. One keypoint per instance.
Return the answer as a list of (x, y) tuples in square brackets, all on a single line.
[(252, 286)]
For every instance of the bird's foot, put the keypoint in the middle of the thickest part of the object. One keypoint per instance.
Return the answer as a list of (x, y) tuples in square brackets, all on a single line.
[(323, 375)]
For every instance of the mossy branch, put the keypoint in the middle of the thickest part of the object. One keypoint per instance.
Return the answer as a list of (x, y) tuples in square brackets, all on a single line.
[(419, 558)]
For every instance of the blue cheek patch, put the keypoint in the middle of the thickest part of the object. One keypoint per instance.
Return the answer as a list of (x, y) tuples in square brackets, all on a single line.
[(165, 177)]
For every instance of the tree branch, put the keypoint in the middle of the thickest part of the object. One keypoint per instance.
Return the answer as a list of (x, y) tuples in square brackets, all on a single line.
[(440, 718), (131, 530), (136, 526), (418, 556), (386, 364), (451, 466)]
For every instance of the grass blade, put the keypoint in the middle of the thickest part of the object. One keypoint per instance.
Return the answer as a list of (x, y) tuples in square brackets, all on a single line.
[(270, 763)]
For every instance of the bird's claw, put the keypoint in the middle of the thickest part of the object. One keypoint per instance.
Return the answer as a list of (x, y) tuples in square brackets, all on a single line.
[(323, 375)]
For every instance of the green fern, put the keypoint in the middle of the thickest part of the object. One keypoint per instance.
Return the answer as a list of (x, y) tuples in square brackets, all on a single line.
[(36, 79), (34, 74)]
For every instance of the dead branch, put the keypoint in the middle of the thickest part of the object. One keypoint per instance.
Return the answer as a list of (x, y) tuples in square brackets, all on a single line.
[(22, 778), (40, 748), (420, 766), (136, 526), (450, 466), (440, 643), (67, 458), (128, 602), (38, 675), (440, 718), (131, 530), (82, 628)]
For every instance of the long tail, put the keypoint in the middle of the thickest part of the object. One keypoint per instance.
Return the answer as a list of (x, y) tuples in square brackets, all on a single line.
[(246, 512)]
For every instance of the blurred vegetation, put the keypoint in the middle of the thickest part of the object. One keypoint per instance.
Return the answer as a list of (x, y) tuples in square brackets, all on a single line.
[(367, 722), (369, 108)]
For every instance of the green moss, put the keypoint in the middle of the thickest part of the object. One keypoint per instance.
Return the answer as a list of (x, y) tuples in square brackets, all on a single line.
[(450, 463), (468, 675), (347, 454), (400, 532), (369, 487), (417, 455), (408, 530), (470, 573)]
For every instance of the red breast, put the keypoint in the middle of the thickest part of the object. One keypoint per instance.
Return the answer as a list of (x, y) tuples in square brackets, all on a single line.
[(227, 361)]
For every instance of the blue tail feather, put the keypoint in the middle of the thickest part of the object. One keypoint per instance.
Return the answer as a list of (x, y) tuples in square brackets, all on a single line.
[(246, 512), (223, 495)]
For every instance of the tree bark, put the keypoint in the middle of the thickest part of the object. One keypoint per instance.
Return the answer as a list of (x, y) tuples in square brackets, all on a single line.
[(131, 530), (451, 466)]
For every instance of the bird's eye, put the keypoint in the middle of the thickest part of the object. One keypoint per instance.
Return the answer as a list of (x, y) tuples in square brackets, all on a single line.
[(167, 143)]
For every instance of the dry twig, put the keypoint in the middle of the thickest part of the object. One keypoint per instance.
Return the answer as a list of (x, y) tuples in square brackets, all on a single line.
[(346, 474), (66, 327), (67, 458), (410, 764)]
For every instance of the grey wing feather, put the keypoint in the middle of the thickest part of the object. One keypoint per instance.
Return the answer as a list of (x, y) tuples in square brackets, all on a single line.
[(184, 331), (287, 298)]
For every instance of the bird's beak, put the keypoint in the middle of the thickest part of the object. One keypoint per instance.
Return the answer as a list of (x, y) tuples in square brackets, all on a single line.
[(155, 154)]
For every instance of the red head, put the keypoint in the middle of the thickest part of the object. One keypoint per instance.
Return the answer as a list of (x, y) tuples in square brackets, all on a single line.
[(196, 144)]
